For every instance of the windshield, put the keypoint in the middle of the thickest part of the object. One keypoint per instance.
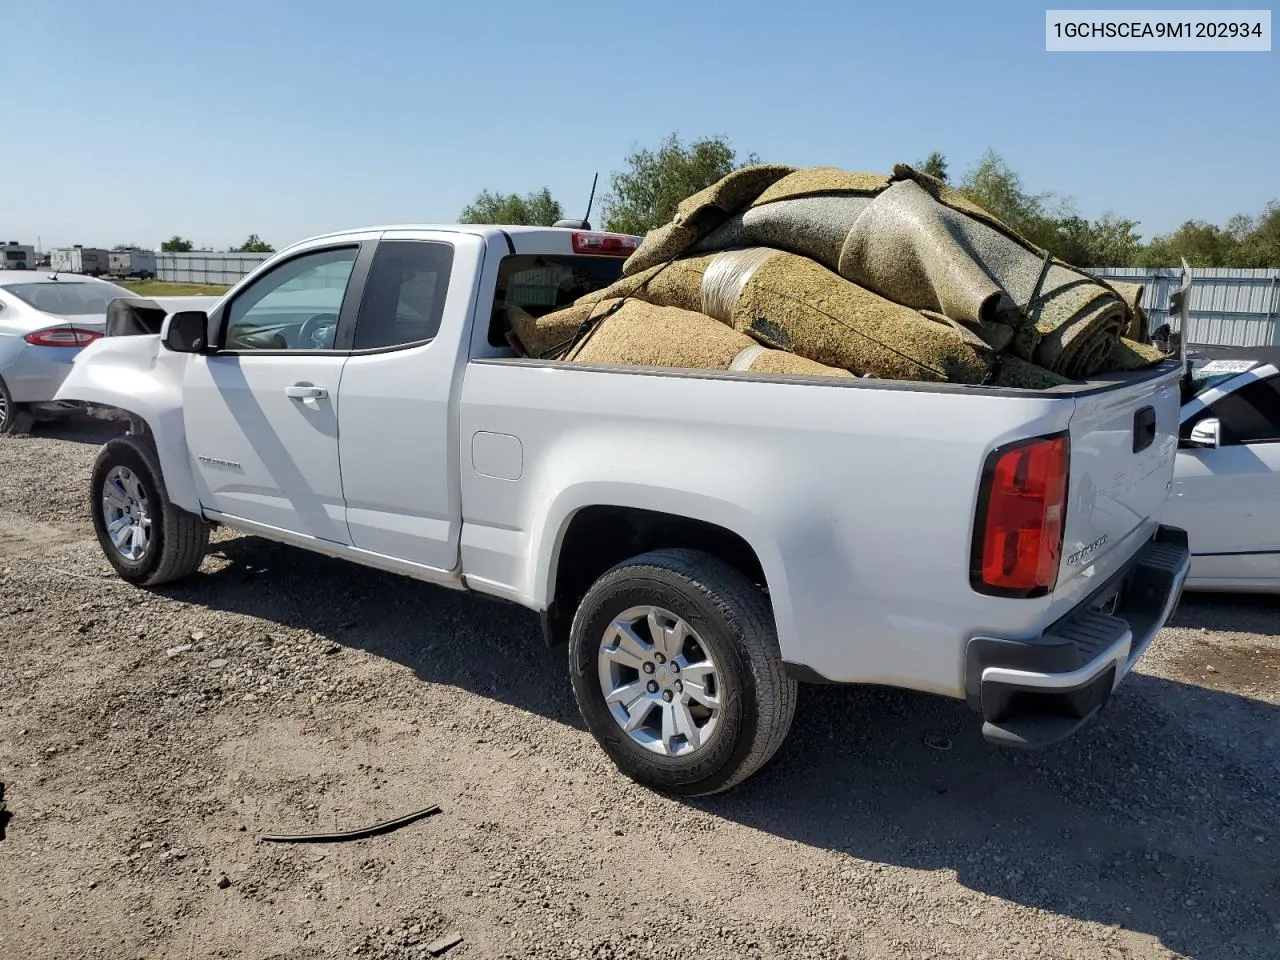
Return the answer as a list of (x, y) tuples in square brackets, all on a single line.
[(1209, 375), (67, 298)]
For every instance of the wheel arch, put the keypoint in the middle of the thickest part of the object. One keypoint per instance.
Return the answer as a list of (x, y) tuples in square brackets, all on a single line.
[(125, 376), (584, 537)]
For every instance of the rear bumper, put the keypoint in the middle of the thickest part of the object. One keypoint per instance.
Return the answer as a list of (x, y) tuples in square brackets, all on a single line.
[(1034, 693)]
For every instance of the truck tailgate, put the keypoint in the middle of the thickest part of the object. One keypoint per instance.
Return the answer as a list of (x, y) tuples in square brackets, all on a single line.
[(1123, 442)]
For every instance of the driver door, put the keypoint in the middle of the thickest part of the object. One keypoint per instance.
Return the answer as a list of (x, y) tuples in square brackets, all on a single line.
[(261, 413)]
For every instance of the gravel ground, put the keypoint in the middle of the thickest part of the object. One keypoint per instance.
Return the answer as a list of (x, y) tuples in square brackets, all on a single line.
[(148, 739)]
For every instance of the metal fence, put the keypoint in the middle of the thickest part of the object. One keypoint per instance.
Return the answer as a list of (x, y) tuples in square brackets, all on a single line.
[(201, 267), (1229, 307)]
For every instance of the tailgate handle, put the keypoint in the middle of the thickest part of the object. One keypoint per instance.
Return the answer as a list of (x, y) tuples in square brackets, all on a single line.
[(1144, 428)]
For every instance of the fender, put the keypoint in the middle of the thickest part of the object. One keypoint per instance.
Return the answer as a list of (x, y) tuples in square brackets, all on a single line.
[(137, 375), (548, 537)]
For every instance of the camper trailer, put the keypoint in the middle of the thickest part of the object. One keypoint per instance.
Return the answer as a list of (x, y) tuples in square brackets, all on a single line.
[(18, 256), (90, 261), (122, 264)]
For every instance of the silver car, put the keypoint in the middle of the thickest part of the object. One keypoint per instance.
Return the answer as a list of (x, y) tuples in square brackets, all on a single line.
[(44, 323)]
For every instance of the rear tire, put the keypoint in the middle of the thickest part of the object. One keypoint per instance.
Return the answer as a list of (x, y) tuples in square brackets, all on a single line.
[(146, 538), (15, 418), (730, 691)]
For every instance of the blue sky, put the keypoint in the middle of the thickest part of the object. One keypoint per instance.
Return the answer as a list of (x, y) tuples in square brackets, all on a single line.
[(132, 121)]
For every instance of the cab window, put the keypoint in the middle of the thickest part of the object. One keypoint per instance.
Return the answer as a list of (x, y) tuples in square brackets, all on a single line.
[(404, 296), (293, 307)]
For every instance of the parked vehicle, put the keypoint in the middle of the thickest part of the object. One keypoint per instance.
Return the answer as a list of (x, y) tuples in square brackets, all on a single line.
[(701, 540), (1226, 486), (17, 256), (44, 323), (123, 264), (89, 261)]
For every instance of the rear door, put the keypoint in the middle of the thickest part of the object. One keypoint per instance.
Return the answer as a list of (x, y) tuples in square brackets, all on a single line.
[(261, 414), (1123, 442), (397, 422)]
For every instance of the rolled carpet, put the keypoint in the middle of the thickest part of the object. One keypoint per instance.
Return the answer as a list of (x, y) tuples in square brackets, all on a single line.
[(636, 333), (922, 245), (554, 332), (699, 213), (1131, 294), (791, 303), (1132, 355)]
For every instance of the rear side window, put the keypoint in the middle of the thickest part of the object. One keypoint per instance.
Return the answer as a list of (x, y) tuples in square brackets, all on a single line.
[(543, 283), (1250, 414), (404, 296)]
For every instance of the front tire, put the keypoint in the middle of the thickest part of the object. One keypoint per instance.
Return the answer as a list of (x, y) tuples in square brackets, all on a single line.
[(146, 538), (675, 665)]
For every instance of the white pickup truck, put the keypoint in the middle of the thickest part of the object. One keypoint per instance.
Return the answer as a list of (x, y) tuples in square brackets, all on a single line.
[(701, 540)]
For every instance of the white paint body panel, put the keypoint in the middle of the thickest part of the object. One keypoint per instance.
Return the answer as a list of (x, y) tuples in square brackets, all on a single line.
[(858, 501), (858, 498), (270, 458), (1228, 500), (399, 438)]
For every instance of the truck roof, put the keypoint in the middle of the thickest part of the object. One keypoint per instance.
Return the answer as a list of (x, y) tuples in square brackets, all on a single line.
[(486, 230)]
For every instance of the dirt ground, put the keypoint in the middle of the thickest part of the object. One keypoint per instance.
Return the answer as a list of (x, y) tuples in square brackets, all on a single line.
[(149, 738)]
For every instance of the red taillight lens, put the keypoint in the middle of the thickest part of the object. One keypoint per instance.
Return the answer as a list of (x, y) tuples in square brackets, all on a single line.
[(62, 337), (1020, 518), (605, 244)]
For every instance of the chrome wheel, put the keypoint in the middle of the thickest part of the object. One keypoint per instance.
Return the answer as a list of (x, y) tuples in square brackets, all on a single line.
[(659, 681), (126, 513), (5, 409)]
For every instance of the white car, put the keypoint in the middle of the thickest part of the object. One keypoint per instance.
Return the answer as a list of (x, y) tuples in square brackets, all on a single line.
[(44, 323), (699, 539), (1226, 488)]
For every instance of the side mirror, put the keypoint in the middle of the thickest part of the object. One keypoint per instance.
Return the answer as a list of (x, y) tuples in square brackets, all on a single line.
[(187, 331), (1207, 433)]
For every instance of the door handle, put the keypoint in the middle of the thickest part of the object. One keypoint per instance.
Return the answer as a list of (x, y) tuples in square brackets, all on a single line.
[(303, 391)]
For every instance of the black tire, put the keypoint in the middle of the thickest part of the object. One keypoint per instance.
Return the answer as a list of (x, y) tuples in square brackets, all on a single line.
[(15, 418), (734, 623), (178, 538)]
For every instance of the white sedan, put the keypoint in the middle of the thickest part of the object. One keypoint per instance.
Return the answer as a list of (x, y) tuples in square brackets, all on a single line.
[(1226, 486), (44, 323)]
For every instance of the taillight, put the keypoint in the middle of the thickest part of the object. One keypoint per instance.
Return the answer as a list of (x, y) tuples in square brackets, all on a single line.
[(1017, 542), (62, 337), (604, 244)]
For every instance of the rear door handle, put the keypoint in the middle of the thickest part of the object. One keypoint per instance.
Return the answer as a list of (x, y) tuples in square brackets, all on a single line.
[(303, 391)]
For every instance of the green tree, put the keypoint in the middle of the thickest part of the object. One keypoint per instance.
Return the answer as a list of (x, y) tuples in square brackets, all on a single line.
[(121, 247), (996, 188), (935, 165), (1109, 241), (537, 209), (254, 244), (1201, 243), (645, 195), (1259, 241), (176, 244)]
